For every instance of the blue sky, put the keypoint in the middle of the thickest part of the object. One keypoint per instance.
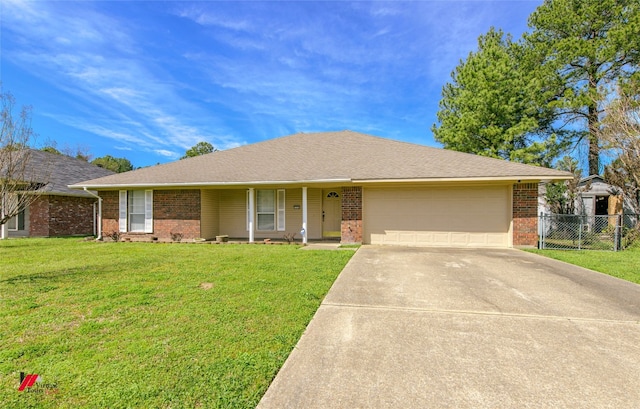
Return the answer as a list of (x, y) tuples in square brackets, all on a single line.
[(146, 80)]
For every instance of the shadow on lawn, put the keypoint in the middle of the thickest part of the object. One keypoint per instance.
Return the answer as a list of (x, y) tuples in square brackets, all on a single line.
[(52, 276)]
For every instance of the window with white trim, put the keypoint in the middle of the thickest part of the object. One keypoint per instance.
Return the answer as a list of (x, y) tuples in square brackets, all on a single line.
[(270, 210), (136, 211), (16, 222)]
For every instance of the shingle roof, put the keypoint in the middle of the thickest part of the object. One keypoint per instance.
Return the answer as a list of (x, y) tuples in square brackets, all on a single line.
[(316, 157), (60, 171)]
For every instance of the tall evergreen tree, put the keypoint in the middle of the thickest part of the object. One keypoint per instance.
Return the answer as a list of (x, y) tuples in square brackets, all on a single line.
[(584, 44), (529, 100), (494, 105)]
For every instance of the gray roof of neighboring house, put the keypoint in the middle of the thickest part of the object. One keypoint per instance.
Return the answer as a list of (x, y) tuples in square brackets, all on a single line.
[(324, 157), (60, 171)]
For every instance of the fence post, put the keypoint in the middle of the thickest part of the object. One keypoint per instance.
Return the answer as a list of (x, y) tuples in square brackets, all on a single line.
[(580, 232), (617, 233), (541, 243)]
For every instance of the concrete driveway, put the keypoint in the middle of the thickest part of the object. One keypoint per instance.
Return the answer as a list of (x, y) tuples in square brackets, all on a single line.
[(458, 328)]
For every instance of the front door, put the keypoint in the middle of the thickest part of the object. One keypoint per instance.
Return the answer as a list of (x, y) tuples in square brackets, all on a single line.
[(331, 213)]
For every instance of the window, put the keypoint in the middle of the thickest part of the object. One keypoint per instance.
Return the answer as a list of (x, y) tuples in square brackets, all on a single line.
[(266, 209), (136, 211), (270, 210), (16, 222)]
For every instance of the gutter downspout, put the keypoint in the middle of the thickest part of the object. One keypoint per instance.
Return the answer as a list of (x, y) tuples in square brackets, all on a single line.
[(99, 212)]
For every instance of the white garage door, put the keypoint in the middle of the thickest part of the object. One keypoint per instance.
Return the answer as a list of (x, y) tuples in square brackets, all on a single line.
[(460, 217)]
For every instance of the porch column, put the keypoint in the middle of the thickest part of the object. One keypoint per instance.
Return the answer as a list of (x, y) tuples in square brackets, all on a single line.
[(304, 215), (251, 213)]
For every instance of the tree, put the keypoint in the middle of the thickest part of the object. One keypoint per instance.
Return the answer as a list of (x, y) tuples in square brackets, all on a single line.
[(494, 105), (561, 196), (201, 148), (581, 45), (515, 100), (620, 134), (117, 165), (20, 183), (79, 152), (51, 149)]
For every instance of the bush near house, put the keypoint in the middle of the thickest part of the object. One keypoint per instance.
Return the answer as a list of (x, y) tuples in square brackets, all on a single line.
[(115, 325)]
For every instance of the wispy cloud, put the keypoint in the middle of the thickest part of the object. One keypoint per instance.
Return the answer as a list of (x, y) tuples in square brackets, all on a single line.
[(159, 77), (96, 60)]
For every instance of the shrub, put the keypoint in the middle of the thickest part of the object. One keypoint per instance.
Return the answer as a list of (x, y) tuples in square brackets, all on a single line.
[(114, 235)]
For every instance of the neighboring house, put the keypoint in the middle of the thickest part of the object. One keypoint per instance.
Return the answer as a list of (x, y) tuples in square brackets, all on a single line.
[(58, 211), (598, 198), (361, 188), (595, 198)]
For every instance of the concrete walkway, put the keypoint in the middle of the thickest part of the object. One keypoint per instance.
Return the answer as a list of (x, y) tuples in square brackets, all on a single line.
[(457, 328)]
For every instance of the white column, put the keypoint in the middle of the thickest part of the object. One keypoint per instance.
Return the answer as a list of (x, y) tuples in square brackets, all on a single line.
[(304, 215), (99, 237), (252, 212)]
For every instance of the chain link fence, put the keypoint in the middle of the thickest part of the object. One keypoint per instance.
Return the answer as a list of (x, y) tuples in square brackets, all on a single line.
[(576, 232)]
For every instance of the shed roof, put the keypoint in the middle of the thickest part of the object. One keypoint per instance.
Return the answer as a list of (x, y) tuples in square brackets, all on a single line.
[(323, 157)]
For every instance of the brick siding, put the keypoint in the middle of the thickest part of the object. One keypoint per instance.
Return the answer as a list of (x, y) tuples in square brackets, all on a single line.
[(351, 225), (174, 211), (71, 215), (525, 214), (39, 217), (61, 216), (109, 212)]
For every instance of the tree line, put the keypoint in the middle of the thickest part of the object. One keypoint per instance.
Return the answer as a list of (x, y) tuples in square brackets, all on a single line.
[(120, 165)]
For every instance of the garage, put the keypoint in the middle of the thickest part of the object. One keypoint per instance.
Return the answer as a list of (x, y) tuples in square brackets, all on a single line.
[(462, 216)]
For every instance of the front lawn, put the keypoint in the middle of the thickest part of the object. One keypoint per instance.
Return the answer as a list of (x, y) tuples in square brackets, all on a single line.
[(115, 325), (622, 264)]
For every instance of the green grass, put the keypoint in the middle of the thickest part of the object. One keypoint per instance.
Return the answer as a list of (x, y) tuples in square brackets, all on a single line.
[(119, 325), (622, 264)]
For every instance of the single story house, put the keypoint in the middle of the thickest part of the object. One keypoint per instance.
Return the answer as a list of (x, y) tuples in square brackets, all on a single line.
[(58, 210), (348, 185)]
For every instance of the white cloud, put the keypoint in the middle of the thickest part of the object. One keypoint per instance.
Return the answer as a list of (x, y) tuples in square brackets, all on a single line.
[(164, 76), (168, 154), (90, 62), (196, 13)]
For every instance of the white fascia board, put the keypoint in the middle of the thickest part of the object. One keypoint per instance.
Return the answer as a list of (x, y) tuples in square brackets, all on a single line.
[(209, 184)]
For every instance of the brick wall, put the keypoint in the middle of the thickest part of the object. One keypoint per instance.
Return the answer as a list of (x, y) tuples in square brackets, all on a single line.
[(39, 217), (61, 216), (71, 215), (109, 211), (351, 225), (525, 214), (174, 211)]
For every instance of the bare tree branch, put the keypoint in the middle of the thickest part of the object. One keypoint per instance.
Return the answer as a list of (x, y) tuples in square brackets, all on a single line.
[(620, 134), (20, 181)]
